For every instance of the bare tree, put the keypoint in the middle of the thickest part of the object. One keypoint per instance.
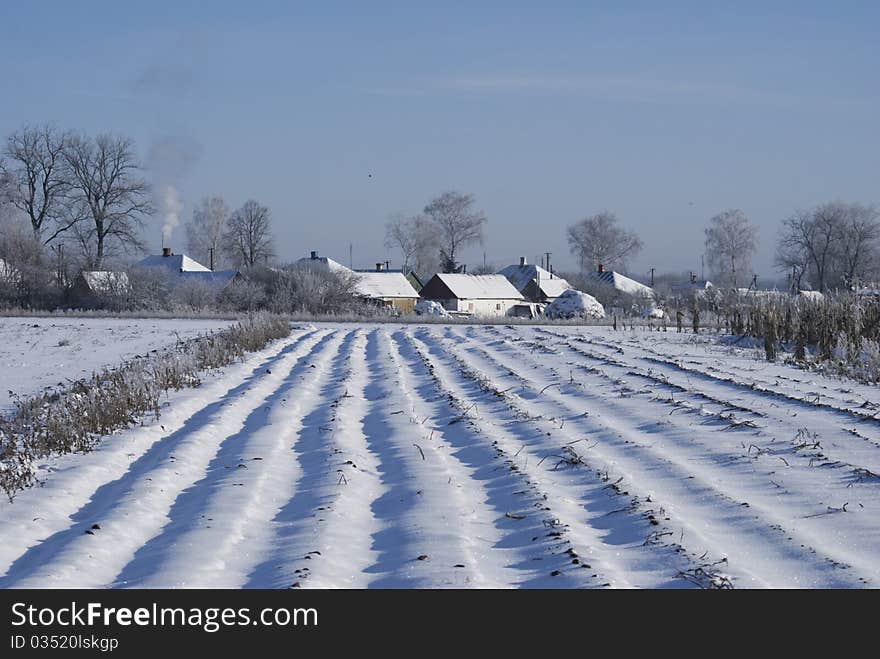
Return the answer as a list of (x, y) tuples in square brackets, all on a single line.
[(457, 223), (205, 231), (39, 180), (833, 244), (106, 175), (418, 240), (859, 253), (248, 240), (731, 242), (599, 240)]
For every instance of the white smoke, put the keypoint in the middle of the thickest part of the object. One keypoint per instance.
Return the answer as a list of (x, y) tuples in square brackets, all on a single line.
[(171, 209)]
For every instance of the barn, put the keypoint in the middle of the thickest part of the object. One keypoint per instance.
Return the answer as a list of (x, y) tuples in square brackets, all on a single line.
[(478, 295)]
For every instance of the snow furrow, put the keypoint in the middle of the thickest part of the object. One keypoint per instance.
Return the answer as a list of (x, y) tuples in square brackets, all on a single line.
[(578, 506), (72, 481), (132, 509), (698, 502), (220, 528)]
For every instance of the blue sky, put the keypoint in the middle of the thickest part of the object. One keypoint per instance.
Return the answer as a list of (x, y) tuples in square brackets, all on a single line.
[(665, 113)]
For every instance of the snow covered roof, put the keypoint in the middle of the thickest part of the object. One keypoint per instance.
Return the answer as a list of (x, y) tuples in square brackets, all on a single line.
[(384, 285), (521, 275), (321, 262), (105, 281), (815, 296), (173, 263), (623, 283), (477, 287)]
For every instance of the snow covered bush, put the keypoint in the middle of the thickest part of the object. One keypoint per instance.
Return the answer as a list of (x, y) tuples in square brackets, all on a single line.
[(430, 308), (77, 419), (574, 304)]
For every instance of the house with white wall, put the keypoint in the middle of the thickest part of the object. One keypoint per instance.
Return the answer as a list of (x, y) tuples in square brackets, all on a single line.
[(478, 295)]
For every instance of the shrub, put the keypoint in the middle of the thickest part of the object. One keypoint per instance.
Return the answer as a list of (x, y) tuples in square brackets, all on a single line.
[(77, 419)]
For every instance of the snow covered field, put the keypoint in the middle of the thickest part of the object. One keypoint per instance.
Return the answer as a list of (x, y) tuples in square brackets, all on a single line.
[(472, 456), (42, 352)]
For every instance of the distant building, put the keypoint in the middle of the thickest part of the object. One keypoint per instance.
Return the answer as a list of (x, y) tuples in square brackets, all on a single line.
[(173, 263), (315, 261), (693, 286), (621, 283), (388, 289), (101, 282), (534, 282), (410, 275), (182, 269), (479, 295)]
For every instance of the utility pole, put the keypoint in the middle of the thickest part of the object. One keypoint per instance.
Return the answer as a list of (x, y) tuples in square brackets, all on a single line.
[(652, 277), (211, 252), (547, 254)]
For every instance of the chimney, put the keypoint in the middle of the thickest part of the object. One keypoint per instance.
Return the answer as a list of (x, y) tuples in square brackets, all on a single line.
[(522, 261), (601, 267), (166, 251), (378, 267)]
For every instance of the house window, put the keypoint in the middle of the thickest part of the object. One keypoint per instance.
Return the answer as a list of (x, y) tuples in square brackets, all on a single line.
[(470, 306), (497, 306)]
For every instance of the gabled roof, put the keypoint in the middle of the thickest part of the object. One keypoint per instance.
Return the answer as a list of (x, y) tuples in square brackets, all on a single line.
[(321, 262), (384, 285), (623, 283), (521, 275), (174, 263), (105, 281), (474, 287)]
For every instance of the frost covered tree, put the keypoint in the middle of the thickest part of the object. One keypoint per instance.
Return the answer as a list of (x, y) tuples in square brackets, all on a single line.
[(38, 180), (833, 245), (731, 243), (598, 239), (458, 225), (205, 231), (248, 239), (418, 240), (108, 186)]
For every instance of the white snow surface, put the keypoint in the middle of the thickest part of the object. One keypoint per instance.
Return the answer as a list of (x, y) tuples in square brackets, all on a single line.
[(430, 308), (42, 352), (574, 304), (358, 455)]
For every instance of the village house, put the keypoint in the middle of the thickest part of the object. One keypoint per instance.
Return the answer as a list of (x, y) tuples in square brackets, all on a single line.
[(388, 289), (534, 282), (100, 283), (181, 269), (621, 283), (478, 295), (324, 262)]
